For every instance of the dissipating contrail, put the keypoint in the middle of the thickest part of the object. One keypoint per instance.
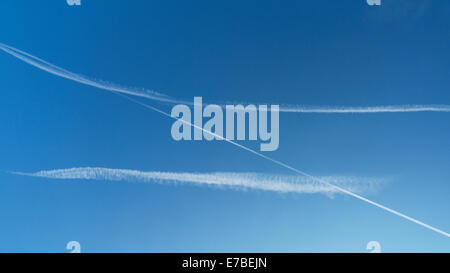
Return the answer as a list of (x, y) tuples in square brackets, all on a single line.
[(153, 95), (233, 180)]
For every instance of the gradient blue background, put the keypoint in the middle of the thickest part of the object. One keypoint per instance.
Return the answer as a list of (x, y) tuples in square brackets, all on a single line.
[(296, 52)]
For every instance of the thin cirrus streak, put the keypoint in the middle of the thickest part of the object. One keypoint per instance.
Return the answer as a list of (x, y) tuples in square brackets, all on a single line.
[(152, 95), (61, 72), (258, 181), (366, 110)]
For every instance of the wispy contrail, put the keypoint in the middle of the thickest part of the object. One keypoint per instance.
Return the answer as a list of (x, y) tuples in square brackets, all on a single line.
[(61, 72), (150, 94), (259, 181)]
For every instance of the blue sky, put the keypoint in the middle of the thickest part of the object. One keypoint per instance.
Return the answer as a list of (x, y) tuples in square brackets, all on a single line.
[(335, 53)]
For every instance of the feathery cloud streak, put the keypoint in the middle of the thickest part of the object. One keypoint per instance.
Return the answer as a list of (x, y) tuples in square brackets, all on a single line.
[(258, 181)]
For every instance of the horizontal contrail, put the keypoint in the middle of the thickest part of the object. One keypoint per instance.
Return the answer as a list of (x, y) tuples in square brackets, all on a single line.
[(152, 95), (366, 110), (259, 181)]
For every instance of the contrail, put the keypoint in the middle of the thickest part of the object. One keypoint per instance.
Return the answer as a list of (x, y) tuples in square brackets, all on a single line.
[(366, 110), (338, 188), (61, 72), (152, 95), (123, 91), (259, 181)]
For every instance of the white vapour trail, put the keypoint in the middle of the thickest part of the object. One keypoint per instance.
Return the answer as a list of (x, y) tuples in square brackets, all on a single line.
[(149, 94), (259, 181), (61, 72), (300, 172), (366, 110), (121, 91)]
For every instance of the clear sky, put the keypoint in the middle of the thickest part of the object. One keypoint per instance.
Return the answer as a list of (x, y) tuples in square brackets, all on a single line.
[(316, 53)]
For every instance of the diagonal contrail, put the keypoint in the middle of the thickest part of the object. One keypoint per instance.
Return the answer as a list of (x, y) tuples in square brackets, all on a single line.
[(314, 178), (259, 181), (152, 95)]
